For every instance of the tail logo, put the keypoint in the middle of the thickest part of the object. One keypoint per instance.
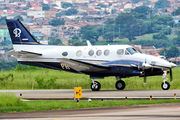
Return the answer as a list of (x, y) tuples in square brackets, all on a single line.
[(17, 32)]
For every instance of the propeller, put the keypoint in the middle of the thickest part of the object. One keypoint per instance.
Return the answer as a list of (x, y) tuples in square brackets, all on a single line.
[(170, 72), (145, 66), (144, 79)]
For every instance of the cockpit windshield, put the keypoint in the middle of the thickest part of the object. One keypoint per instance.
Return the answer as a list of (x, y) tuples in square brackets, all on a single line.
[(132, 50)]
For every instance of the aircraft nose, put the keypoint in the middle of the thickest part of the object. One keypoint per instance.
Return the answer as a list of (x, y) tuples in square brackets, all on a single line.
[(173, 65)]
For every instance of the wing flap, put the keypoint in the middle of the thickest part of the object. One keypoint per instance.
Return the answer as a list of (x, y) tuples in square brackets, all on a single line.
[(22, 53), (83, 66)]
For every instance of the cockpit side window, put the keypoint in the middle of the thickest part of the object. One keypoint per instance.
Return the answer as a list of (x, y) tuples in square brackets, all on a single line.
[(132, 50), (127, 53)]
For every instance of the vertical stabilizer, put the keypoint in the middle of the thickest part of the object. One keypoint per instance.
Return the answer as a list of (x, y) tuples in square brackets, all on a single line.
[(19, 34)]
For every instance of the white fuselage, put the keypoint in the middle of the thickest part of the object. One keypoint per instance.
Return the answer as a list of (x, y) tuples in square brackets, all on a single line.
[(93, 54)]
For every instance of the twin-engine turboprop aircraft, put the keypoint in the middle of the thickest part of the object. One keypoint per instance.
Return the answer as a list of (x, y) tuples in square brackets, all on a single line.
[(120, 61)]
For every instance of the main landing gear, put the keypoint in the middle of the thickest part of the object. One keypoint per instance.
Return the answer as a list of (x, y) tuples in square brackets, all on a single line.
[(120, 84), (96, 86), (165, 85)]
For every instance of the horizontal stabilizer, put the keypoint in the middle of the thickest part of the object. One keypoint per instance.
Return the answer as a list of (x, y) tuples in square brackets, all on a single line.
[(23, 53), (83, 66)]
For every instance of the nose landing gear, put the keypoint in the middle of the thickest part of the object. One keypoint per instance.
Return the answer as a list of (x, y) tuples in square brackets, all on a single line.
[(165, 85), (95, 85)]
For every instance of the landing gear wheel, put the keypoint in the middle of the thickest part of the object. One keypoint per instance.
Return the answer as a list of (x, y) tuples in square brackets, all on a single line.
[(165, 86), (96, 86), (120, 85)]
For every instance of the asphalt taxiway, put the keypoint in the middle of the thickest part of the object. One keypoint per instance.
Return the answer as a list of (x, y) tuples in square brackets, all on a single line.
[(159, 112), (69, 94), (140, 112)]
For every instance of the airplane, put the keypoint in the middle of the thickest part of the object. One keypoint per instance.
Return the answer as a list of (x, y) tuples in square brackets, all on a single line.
[(97, 61)]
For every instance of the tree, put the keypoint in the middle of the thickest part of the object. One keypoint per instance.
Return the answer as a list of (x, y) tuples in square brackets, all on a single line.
[(129, 25), (25, 8), (160, 36), (3, 21), (110, 21), (148, 25), (142, 10), (29, 5), (71, 12), (176, 41), (6, 8), (98, 13), (45, 7), (86, 28), (3, 43), (141, 16), (54, 41), (90, 35), (110, 35), (162, 4), (176, 12), (165, 20), (66, 5), (84, 13), (57, 22), (167, 31), (106, 12), (75, 41), (113, 11), (173, 51), (20, 18), (156, 43)]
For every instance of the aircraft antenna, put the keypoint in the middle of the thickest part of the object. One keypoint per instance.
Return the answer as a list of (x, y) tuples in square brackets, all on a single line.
[(88, 43)]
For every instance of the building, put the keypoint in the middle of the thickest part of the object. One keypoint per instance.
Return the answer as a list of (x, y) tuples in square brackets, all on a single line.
[(50, 14), (4, 34), (36, 14)]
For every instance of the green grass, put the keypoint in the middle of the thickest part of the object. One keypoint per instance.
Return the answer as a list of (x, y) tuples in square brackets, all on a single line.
[(66, 80), (10, 99), (126, 41), (9, 103)]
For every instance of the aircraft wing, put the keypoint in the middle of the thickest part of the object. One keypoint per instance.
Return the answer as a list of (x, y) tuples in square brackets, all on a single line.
[(22, 53), (82, 66)]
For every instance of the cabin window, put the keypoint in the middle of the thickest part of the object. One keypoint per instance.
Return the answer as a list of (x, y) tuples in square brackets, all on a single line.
[(120, 52), (65, 53), (99, 52), (78, 53), (106, 52), (91, 53), (127, 53)]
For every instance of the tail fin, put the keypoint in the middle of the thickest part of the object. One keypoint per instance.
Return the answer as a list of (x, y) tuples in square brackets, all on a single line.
[(19, 34)]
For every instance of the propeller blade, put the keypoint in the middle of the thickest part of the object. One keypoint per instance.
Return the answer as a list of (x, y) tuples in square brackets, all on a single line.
[(170, 72), (144, 79), (152, 69)]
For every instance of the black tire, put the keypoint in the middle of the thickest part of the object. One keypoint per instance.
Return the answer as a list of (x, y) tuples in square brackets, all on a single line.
[(96, 86), (165, 86), (120, 85)]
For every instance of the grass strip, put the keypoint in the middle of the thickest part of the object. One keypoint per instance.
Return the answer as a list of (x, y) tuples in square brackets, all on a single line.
[(16, 105), (54, 79)]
